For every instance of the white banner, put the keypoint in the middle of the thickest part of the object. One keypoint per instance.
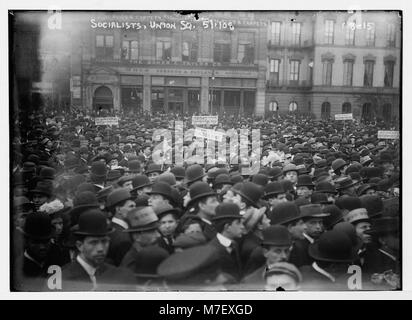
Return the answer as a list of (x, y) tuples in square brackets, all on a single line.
[(106, 121), (388, 134), (344, 116), (209, 134), (204, 120)]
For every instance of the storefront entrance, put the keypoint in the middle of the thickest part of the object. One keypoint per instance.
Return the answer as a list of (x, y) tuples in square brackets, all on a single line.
[(102, 99)]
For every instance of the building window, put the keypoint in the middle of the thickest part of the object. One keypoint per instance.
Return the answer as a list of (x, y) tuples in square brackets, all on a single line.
[(189, 51), (325, 111), (274, 71), (370, 34), (221, 52), (163, 50), (275, 33), (346, 108), (293, 106), (296, 27), (390, 35), (388, 79), (273, 106), (347, 73), (246, 48), (350, 35), (327, 73), (130, 50), (368, 76), (294, 71), (329, 31), (104, 46)]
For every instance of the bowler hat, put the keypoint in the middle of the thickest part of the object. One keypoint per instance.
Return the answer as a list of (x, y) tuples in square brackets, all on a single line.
[(124, 179), (193, 173), (276, 235), (222, 179), (167, 209), (320, 198), (344, 183), (140, 181), (151, 168), (260, 179), (304, 180), (134, 166), (251, 192), (348, 203), (142, 219), (163, 189), (284, 213), (178, 171), (167, 177), (275, 172), (338, 163), (227, 211), (117, 196), (92, 222), (98, 169), (333, 246), (113, 175), (199, 190), (271, 189), (312, 211), (290, 167), (335, 216), (47, 173), (368, 186), (383, 226), (38, 226), (43, 187)]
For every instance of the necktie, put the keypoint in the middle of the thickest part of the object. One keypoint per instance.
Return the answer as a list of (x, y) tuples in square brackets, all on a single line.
[(94, 281)]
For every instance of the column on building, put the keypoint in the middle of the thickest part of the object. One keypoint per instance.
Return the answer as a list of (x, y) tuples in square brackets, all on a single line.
[(147, 93), (204, 95)]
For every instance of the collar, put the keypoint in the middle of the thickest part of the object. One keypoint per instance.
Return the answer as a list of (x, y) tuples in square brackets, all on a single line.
[(87, 267), (321, 271), (309, 238), (120, 223), (206, 221), (388, 254), (223, 240), (32, 259)]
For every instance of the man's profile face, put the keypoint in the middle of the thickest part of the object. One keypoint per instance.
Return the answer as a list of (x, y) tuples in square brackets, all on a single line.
[(94, 249)]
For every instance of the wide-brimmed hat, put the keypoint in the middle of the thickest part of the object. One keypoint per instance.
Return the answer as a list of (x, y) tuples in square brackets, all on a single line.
[(92, 222), (142, 219), (344, 183), (251, 192), (200, 190), (38, 226), (163, 189), (333, 246), (227, 211), (117, 196), (284, 213), (357, 215), (312, 211), (276, 235), (272, 189)]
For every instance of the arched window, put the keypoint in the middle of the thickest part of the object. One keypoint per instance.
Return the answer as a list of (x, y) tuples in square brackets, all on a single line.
[(293, 106), (325, 111), (346, 108), (273, 106)]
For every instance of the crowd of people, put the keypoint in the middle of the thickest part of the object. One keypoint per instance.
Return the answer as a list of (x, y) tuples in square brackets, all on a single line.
[(321, 212)]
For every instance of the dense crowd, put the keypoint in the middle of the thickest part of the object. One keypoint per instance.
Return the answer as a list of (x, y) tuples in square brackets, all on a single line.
[(321, 212)]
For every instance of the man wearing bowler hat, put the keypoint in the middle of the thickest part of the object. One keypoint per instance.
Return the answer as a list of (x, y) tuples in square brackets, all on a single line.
[(276, 247), (229, 226), (274, 194), (203, 202), (160, 195), (119, 202), (304, 186), (332, 255), (89, 271), (345, 186), (312, 216)]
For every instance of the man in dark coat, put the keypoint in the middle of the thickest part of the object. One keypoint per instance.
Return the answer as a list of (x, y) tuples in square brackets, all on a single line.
[(229, 226), (312, 216), (89, 271)]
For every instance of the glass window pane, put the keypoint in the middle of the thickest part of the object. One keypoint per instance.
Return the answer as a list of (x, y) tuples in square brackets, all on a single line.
[(109, 41), (99, 41)]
